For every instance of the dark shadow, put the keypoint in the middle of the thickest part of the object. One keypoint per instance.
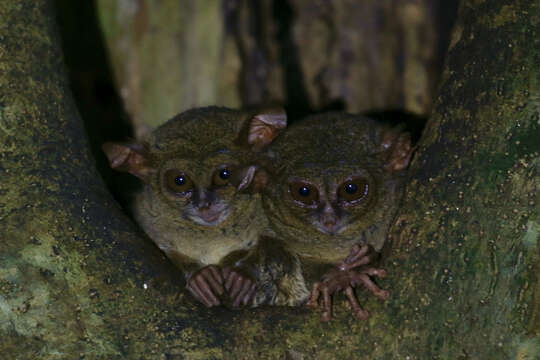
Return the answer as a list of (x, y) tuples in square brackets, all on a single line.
[(297, 101), (254, 58), (91, 80), (446, 12), (413, 123)]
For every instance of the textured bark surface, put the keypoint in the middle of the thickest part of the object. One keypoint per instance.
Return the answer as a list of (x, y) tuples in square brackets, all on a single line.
[(78, 281), (357, 56), (466, 241)]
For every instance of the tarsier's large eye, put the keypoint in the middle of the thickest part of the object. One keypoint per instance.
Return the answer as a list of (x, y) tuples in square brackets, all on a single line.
[(222, 176), (178, 182), (304, 192), (353, 190)]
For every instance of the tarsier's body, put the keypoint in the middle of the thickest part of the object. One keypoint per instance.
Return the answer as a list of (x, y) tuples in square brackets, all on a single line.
[(193, 205), (340, 181)]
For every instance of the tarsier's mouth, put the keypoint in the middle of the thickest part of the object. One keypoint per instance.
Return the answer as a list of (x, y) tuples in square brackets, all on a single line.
[(211, 216), (330, 229)]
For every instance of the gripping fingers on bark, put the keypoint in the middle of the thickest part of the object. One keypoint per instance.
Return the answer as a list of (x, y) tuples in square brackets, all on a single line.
[(375, 272), (199, 294), (359, 256), (357, 252), (205, 284), (248, 298), (240, 287), (246, 287), (327, 305), (370, 285), (313, 301), (216, 274), (231, 277), (237, 284), (205, 290), (195, 292), (212, 276), (360, 313)]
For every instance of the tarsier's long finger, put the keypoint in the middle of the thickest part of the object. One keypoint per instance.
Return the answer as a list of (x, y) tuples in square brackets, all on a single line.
[(313, 301), (365, 259), (327, 305), (249, 296), (334, 285), (210, 278), (196, 292), (245, 289), (375, 272), (236, 286), (360, 313), (225, 274), (217, 274), (370, 285), (231, 277), (205, 291), (357, 252)]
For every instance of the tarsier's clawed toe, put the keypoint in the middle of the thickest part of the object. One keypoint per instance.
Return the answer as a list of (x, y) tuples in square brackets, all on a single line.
[(361, 314), (383, 295), (326, 316)]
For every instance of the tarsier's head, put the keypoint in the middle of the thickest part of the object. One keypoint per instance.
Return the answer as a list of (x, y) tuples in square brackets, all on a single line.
[(196, 165), (339, 182)]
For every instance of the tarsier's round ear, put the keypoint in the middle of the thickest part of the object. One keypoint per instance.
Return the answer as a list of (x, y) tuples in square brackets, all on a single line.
[(397, 148), (265, 126), (131, 156)]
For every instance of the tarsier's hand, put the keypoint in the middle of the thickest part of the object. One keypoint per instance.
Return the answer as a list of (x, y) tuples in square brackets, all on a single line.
[(344, 278), (240, 287), (206, 285)]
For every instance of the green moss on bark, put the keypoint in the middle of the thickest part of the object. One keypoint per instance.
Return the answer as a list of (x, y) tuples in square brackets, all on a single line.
[(77, 280)]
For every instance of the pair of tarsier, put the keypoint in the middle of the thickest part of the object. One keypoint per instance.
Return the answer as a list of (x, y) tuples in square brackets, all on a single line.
[(256, 215)]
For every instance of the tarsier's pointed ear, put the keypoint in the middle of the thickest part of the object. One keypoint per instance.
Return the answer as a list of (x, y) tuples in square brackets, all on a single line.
[(398, 149), (253, 178), (131, 157), (265, 127)]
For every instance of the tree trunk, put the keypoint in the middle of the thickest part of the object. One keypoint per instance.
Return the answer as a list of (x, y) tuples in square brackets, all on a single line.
[(465, 247), (308, 55), (169, 56), (77, 280)]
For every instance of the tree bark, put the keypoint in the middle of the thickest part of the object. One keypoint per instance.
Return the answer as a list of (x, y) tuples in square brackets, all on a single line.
[(169, 56), (357, 56), (77, 279), (465, 247)]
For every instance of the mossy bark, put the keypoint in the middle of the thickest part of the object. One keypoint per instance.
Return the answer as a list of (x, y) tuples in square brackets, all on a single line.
[(77, 280), (466, 241)]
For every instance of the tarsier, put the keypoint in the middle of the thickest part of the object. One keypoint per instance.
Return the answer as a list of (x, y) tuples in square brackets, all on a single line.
[(331, 188), (198, 201), (339, 182)]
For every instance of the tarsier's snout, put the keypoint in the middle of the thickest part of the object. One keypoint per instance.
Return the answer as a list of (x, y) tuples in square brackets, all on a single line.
[(207, 208), (328, 221), (211, 216)]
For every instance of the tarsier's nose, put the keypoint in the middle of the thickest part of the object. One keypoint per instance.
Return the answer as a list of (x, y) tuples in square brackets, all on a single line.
[(328, 218), (204, 200)]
